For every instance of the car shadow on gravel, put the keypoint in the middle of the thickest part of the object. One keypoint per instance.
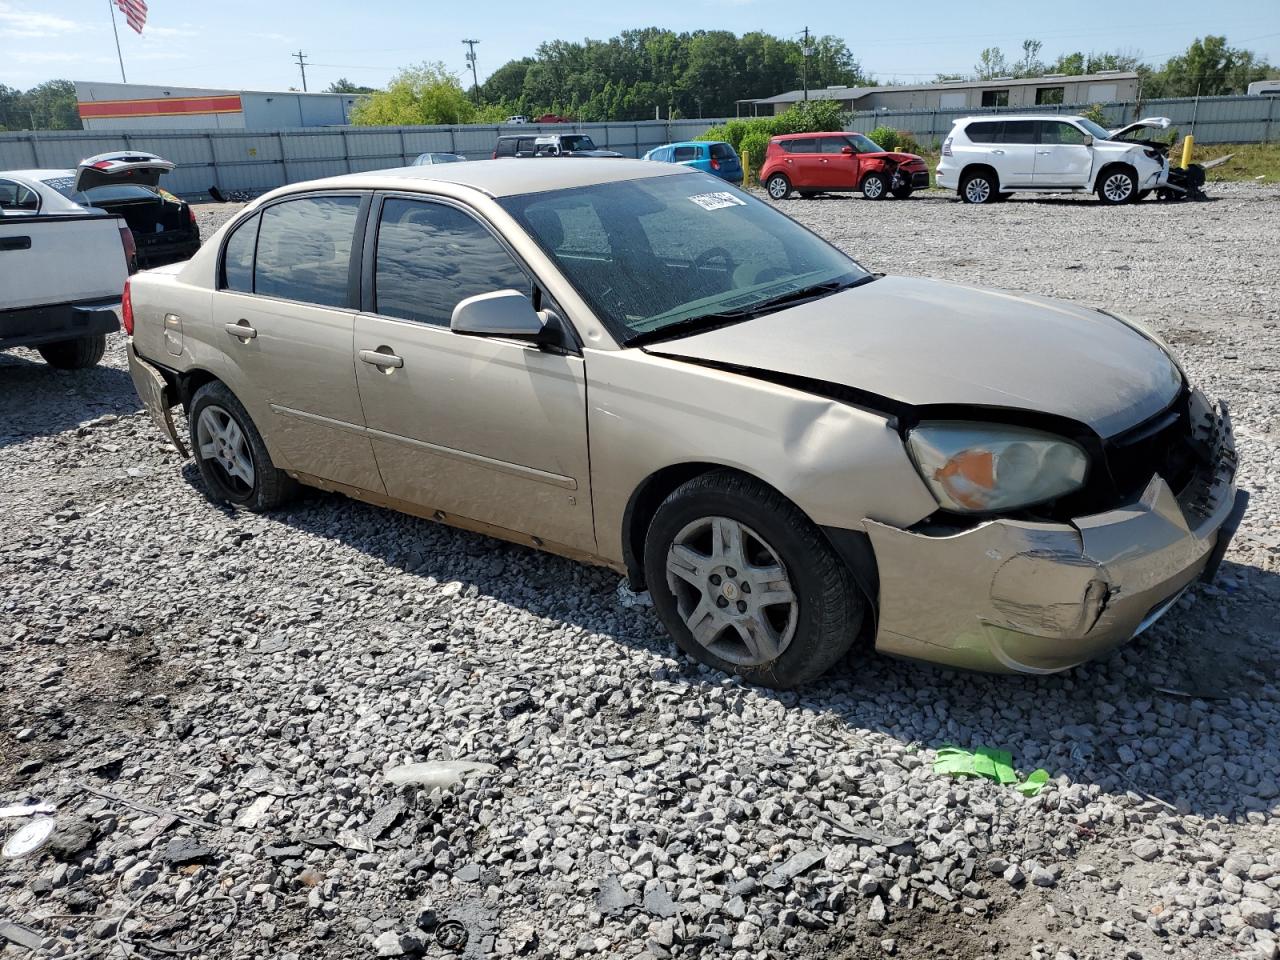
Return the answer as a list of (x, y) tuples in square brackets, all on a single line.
[(1170, 716), (37, 400)]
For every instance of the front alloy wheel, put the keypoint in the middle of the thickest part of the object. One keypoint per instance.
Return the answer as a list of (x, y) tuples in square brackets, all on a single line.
[(1117, 187), (732, 591), (874, 187)]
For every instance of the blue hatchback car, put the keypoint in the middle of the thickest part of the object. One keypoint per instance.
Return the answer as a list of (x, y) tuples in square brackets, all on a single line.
[(714, 157)]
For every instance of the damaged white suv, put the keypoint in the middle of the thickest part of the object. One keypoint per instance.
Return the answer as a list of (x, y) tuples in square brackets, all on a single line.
[(985, 159)]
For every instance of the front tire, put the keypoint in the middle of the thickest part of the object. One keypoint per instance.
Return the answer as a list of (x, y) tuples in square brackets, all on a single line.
[(1117, 186), (875, 186), (77, 354), (232, 459), (746, 583), (979, 187), (778, 186)]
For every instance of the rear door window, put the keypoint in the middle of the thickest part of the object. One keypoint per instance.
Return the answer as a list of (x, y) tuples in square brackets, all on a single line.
[(685, 153), (807, 145), (1020, 131), (237, 257), (304, 250), (431, 255), (505, 147)]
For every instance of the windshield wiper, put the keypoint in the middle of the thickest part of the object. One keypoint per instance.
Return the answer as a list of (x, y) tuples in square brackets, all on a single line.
[(704, 322)]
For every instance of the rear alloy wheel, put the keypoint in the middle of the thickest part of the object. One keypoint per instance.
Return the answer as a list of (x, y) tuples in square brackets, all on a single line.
[(75, 354), (875, 186), (747, 584), (230, 454), (1116, 187), (778, 187), (978, 187)]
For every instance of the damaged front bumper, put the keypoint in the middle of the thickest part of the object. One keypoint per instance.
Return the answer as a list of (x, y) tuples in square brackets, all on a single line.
[(1024, 597)]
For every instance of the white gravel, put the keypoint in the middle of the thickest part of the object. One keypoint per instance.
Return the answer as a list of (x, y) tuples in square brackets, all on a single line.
[(259, 673)]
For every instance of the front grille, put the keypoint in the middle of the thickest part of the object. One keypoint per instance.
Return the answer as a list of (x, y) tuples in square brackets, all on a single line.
[(920, 178), (1163, 445)]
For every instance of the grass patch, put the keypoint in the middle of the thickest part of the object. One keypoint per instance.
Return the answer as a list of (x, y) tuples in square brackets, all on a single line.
[(1249, 161)]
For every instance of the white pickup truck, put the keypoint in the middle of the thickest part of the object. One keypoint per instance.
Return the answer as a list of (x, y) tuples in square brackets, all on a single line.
[(62, 272)]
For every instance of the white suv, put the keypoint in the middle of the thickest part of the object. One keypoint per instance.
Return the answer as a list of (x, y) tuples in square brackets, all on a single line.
[(987, 158)]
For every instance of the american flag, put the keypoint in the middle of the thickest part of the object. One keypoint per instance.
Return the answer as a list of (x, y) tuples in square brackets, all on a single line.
[(135, 11)]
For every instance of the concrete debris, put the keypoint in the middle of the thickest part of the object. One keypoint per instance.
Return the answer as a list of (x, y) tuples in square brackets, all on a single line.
[(438, 773)]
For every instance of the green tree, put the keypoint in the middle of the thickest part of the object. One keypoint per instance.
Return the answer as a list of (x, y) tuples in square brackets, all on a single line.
[(52, 106), (1208, 68), (343, 85), (13, 114), (424, 94)]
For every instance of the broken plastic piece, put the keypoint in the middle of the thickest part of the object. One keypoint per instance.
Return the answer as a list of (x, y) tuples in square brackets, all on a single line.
[(26, 810), (986, 762), (1034, 783), (437, 773)]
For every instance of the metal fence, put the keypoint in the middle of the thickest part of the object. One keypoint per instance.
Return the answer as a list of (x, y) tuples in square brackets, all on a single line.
[(1210, 119), (258, 160)]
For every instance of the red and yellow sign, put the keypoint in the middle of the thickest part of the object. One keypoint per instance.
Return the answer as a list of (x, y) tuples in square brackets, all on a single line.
[(159, 107)]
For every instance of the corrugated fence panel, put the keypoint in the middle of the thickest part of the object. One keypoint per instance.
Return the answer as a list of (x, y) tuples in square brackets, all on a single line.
[(261, 160)]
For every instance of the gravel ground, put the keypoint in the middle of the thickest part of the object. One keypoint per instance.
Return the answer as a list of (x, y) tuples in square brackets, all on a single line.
[(210, 699)]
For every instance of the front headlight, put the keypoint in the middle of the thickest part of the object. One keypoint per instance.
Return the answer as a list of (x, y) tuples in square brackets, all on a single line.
[(982, 467)]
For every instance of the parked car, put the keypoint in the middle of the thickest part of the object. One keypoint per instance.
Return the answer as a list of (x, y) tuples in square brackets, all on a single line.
[(718, 158), (988, 158), (811, 163), (518, 118), (63, 268), (128, 185), (552, 118), (427, 159), (637, 365), (549, 145)]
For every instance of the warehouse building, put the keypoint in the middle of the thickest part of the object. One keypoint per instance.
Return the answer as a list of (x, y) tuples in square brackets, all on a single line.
[(1103, 87), (136, 106)]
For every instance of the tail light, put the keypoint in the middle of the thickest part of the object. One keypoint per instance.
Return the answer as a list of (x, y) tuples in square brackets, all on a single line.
[(126, 310), (130, 249), (946, 147), (715, 164), (495, 155)]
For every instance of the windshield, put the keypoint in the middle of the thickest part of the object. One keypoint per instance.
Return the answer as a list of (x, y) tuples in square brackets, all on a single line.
[(576, 143), (1093, 129), (654, 253), (864, 144)]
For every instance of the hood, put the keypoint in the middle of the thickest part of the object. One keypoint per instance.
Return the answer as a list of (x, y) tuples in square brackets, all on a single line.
[(132, 167), (918, 342), (592, 153), (895, 156), (1156, 123)]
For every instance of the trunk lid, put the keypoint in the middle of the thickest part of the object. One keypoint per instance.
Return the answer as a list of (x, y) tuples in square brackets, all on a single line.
[(922, 342), (121, 167)]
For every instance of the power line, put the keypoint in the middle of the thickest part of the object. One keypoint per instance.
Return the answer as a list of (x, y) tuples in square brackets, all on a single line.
[(302, 65)]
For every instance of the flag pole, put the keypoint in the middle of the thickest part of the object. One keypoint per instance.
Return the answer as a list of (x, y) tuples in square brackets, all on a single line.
[(112, 7)]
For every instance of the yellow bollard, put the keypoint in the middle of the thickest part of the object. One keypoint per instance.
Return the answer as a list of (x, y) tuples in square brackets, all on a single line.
[(746, 170), (1188, 142)]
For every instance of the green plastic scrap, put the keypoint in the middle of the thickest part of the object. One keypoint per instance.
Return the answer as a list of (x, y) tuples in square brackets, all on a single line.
[(990, 763)]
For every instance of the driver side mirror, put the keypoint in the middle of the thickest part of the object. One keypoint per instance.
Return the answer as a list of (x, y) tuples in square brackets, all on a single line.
[(503, 313), (847, 151), (1088, 139)]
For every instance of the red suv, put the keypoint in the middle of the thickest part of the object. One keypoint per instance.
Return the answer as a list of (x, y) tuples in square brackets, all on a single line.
[(812, 163)]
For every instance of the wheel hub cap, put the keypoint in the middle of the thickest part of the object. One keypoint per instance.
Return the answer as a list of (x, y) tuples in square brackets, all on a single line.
[(732, 591), (220, 441)]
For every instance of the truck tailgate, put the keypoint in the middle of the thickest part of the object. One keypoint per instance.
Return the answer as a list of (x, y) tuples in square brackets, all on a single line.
[(60, 259)]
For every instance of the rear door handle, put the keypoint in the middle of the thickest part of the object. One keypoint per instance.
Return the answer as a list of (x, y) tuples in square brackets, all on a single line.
[(380, 359), (999, 153), (15, 243), (241, 330), (1043, 153)]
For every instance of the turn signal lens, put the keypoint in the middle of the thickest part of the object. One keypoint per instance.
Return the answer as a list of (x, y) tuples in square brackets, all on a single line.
[(982, 468)]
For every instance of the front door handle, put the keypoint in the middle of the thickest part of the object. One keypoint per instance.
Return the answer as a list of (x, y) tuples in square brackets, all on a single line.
[(15, 243), (381, 358), (241, 330), (1043, 153)]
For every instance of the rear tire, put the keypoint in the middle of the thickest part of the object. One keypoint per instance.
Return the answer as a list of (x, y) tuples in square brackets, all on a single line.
[(979, 186), (74, 354), (722, 543), (1117, 185), (230, 455), (875, 186), (778, 186)]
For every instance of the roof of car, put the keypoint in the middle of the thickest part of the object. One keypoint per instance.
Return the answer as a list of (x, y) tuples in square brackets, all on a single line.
[(1021, 116), (509, 177), (36, 174)]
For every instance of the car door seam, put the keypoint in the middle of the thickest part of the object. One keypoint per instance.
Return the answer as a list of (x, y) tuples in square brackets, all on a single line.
[(502, 466)]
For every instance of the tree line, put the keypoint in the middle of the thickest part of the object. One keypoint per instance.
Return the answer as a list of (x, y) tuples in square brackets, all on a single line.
[(49, 106)]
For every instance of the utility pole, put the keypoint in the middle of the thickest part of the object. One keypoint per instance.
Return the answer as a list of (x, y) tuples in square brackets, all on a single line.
[(112, 7), (471, 59), (302, 65), (805, 50)]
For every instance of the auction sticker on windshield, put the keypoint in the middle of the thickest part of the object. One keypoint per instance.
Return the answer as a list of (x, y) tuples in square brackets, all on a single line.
[(717, 201)]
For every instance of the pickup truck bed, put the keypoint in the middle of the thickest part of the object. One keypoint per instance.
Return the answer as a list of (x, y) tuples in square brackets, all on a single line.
[(62, 280)]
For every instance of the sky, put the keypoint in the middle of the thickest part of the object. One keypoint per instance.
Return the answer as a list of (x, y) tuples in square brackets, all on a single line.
[(242, 45)]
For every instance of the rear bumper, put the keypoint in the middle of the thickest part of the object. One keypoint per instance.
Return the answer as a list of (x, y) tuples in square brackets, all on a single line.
[(53, 323), (156, 395), (1019, 597)]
